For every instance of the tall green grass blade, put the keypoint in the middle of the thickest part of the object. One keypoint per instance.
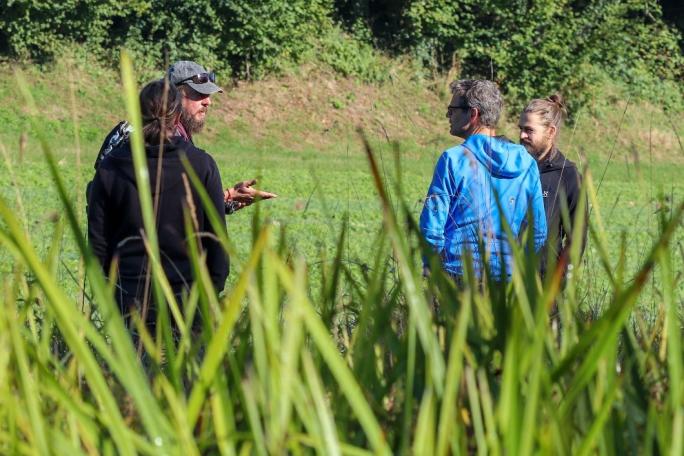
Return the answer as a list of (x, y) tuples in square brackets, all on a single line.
[(340, 370), (65, 317), (60, 444), (424, 439), (252, 411), (223, 416), (533, 393), (64, 312), (475, 410), (306, 411), (142, 181), (599, 421), (673, 329), (488, 413), (219, 343), (414, 298), (508, 410), (28, 383), (185, 441), (142, 176), (325, 416), (611, 323), (293, 337), (409, 388), (447, 417)]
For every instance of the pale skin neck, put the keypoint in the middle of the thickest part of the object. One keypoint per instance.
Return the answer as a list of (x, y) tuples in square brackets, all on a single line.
[(481, 130)]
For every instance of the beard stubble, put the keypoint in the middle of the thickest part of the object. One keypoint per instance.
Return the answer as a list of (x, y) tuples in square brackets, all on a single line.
[(191, 124)]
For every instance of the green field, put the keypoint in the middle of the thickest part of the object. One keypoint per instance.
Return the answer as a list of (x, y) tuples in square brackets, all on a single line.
[(335, 347), (321, 174)]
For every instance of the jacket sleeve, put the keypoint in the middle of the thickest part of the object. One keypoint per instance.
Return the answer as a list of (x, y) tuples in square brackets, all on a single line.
[(97, 223), (538, 212), (442, 190), (217, 258), (574, 192)]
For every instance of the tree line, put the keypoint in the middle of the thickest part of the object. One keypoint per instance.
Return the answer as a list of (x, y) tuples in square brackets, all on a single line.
[(530, 47)]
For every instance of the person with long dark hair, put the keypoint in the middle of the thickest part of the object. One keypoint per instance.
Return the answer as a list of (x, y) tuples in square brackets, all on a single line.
[(115, 222)]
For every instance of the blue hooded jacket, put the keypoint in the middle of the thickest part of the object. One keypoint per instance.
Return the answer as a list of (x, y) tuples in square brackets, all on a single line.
[(461, 205)]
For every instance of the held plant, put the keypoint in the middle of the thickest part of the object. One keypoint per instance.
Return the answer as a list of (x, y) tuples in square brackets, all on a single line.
[(382, 360)]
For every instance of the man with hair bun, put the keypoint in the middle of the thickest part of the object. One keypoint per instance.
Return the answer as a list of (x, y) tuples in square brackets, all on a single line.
[(540, 124), (478, 184)]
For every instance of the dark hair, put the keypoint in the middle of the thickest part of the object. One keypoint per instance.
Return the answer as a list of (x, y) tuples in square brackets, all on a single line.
[(483, 95), (551, 110), (160, 104)]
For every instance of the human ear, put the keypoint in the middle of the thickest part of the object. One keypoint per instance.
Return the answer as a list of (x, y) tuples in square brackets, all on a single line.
[(552, 131)]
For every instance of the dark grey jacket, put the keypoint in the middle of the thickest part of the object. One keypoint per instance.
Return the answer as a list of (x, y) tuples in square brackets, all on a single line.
[(561, 183)]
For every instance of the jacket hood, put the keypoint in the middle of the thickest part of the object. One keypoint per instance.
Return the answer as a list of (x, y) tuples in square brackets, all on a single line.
[(122, 159), (501, 157)]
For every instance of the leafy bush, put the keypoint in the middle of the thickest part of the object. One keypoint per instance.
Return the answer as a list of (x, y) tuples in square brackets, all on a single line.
[(532, 48), (350, 57), (262, 36), (38, 29), (248, 38)]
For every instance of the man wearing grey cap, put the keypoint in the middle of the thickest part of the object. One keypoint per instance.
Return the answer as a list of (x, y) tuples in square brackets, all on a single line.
[(197, 85)]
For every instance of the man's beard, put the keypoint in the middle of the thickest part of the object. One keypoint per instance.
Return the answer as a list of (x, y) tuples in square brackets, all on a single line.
[(191, 124), (537, 150)]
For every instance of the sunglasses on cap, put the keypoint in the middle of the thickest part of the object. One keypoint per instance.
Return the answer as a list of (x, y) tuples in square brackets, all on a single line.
[(201, 78)]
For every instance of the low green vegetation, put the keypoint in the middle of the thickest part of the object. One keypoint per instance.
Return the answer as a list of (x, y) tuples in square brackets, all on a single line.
[(328, 339)]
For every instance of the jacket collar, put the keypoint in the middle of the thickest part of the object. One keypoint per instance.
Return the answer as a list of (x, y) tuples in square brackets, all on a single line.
[(554, 161)]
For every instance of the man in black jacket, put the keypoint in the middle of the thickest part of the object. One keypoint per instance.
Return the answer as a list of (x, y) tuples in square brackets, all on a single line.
[(540, 124), (115, 218)]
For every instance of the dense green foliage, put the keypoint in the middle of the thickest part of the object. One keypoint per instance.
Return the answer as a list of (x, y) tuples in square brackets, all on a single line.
[(531, 47), (537, 47), (247, 37)]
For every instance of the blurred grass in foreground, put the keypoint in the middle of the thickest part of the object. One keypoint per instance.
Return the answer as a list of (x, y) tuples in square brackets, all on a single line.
[(380, 361)]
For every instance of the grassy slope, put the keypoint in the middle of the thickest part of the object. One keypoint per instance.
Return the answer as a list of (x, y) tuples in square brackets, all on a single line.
[(297, 134)]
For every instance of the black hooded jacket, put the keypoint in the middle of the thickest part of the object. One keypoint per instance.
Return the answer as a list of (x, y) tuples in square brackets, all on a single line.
[(561, 183), (115, 219)]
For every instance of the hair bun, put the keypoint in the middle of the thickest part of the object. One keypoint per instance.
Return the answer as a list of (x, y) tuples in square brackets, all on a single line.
[(558, 100)]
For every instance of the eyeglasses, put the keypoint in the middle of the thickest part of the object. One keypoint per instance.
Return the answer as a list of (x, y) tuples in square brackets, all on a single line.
[(451, 109), (201, 78)]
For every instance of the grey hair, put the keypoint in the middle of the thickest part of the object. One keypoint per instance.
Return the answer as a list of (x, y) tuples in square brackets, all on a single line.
[(483, 95)]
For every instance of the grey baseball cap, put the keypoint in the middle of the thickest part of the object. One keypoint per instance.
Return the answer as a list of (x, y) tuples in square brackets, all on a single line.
[(193, 75)]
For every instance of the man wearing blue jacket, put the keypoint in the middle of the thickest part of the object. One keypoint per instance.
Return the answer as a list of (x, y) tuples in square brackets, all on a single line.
[(478, 184)]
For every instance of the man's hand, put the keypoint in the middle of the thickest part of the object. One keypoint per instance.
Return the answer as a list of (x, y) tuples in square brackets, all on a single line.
[(243, 194)]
